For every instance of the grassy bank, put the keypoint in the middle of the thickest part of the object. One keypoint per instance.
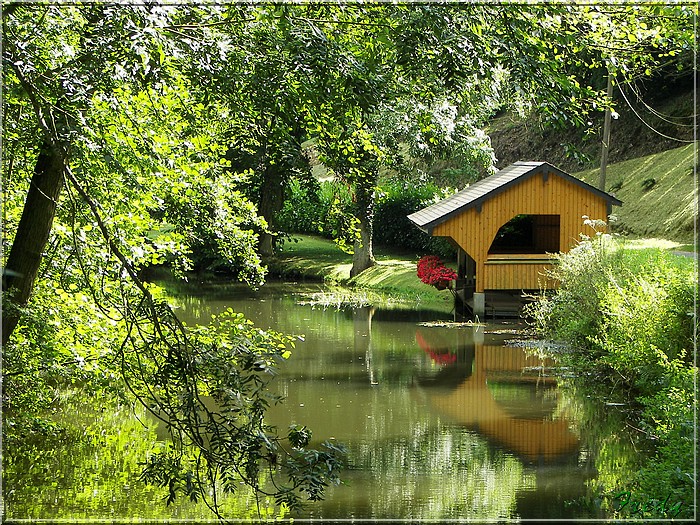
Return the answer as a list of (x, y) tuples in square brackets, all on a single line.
[(627, 316), (658, 194), (314, 258)]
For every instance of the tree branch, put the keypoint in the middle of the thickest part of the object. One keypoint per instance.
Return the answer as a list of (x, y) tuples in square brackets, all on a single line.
[(47, 367), (51, 133)]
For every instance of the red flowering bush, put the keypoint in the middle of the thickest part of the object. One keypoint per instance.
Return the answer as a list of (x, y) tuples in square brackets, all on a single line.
[(431, 270)]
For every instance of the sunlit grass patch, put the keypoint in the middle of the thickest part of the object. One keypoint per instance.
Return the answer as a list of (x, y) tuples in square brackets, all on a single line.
[(340, 298), (665, 209), (662, 244), (394, 275)]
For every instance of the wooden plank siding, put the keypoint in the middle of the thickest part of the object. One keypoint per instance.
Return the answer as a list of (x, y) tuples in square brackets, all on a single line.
[(544, 193), (498, 358), (516, 274)]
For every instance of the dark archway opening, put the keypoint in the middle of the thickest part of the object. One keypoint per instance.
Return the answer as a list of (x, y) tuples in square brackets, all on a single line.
[(528, 234)]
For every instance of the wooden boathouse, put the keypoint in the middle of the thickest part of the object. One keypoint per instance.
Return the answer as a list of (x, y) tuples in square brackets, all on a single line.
[(507, 227)]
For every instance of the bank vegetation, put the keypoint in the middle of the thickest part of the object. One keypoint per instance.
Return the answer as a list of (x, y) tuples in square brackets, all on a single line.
[(627, 318)]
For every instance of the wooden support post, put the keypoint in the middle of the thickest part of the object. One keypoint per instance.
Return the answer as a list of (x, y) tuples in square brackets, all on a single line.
[(606, 137)]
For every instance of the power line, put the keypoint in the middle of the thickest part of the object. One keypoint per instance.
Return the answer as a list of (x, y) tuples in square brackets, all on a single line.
[(662, 116), (649, 125)]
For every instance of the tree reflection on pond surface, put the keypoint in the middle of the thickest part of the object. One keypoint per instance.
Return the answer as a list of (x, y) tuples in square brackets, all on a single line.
[(439, 423)]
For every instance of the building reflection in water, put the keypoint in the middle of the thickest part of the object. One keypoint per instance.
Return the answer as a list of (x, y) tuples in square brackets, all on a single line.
[(499, 392)]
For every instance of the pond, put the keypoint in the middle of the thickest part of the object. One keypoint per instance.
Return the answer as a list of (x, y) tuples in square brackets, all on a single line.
[(440, 422)]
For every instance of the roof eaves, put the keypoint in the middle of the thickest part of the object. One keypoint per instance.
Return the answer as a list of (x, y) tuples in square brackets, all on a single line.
[(477, 201), (427, 218)]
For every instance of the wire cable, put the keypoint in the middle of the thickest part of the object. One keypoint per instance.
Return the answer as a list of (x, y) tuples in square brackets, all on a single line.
[(658, 114), (649, 125)]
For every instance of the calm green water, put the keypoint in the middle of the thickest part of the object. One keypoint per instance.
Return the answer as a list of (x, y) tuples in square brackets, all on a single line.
[(440, 423)]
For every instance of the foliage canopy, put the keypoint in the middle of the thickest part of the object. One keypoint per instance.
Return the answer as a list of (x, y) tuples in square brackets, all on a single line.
[(141, 135)]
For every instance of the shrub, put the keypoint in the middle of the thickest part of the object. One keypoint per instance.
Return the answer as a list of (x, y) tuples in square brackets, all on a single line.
[(432, 271), (396, 200), (645, 325), (615, 186), (648, 184), (629, 312), (572, 314), (668, 416), (315, 208), (303, 211), (630, 307)]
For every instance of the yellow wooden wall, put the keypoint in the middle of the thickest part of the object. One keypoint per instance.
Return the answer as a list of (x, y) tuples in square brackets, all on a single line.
[(475, 230), (515, 274)]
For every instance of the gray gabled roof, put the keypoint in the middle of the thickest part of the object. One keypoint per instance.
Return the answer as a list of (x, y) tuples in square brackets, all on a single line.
[(472, 196)]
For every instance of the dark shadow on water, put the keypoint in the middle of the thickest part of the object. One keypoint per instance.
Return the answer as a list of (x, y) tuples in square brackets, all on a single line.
[(452, 374)]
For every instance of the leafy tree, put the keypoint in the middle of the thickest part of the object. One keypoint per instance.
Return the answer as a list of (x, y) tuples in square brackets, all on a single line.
[(352, 154), (120, 151), (276, 76), (263, 81), (284, 77)]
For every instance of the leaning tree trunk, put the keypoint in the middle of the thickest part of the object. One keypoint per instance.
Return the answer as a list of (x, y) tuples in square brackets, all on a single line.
[(32, 235), (363, 257)]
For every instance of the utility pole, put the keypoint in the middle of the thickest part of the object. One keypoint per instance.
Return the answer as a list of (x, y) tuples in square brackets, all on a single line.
[(606, 137)]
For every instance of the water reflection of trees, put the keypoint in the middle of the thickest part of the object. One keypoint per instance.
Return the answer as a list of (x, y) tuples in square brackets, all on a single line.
[(90, 470), (355, 348), (433, 473), (421, 453)]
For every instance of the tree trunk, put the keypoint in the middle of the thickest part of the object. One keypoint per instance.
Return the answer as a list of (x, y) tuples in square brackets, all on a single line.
[(363, 257), (271, 202), (32, 235)]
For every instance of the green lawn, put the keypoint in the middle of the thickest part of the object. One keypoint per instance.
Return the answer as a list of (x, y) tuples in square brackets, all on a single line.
[(315, 258)]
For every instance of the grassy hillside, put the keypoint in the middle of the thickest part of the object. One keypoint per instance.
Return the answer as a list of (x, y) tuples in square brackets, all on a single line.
[(658, 193)]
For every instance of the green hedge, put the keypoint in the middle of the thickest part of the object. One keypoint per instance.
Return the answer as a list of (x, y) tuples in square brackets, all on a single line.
[(396, 200), (321, 208), (315, 208)]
